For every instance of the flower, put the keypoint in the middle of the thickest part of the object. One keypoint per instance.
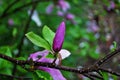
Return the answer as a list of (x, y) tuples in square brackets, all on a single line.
[(35, 18), (70, 16), (112, 6), (63, 5), (41, 57), (49, 9), (60, 13), (59, 38), (11, 22)]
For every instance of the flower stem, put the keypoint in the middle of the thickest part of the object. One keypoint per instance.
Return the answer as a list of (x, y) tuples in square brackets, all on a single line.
[(55, 58)]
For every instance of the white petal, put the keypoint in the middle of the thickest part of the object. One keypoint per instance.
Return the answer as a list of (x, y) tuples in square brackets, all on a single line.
[(36, 18), (64, 53)]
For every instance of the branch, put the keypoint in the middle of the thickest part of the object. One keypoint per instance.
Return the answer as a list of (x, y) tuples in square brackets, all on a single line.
[(21, 7), (44, 64), (9, 6), (107, 57), (83, 71), (110, 71)]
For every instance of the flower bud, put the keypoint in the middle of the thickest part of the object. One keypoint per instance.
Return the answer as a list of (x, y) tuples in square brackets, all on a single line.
[(59, 38)]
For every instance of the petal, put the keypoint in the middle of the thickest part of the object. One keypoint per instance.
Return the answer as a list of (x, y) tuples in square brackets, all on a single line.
[(56, 74), (49, 9), (35, 56), (64, 53), (69, 16), (63, 5), (36, 18), (10, 22), (60, 13)]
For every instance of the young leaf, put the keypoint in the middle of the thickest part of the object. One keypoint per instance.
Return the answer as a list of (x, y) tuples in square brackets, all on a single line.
[(48, 34), (37, 40)]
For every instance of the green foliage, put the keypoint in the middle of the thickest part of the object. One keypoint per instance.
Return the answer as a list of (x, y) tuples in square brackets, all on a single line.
[(82, 43), (105, 75), (14, 33), (37, 40), (40, 75), (6, 65), (48, 34), (50, 56), (114, 46)]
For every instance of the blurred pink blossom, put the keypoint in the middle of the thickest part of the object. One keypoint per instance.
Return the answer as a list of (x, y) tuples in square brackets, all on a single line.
[(63, 5), (92, 26), (60, 13), (112, 6), (49, 8), (10, 22)]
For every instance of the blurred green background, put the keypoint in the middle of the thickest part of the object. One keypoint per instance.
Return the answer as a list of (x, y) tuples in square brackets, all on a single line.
[(91, 37)]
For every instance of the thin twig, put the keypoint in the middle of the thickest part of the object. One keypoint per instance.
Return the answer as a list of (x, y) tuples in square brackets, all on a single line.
[(90, 77), (95, 76), (107, 57), (110, 71)]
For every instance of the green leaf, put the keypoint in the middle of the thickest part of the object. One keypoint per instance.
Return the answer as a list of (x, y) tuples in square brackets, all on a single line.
[(114, 46), (36, 77), (43, 75), (21, 58), (50, 56), (105, 75), (48, 34), (14, 33), (6, 66), (37, 40)]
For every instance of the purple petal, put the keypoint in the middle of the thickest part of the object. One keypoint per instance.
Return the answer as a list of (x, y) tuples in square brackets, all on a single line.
[(49, 9), (92, 26), (112, 4), (56, 74), (63, 5), (69, 16), (35, 56), (59, 37), (10, 22), (60, 13)]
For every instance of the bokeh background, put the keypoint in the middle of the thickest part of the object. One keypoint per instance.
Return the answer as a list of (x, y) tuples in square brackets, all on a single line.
[(92, 30)]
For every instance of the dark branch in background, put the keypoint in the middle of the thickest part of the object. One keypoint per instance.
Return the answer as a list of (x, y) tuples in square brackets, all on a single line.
[(110, 71), (107, 57), (9, 6), (22, 38), (88, 72), (21, 7), (15, 77)]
